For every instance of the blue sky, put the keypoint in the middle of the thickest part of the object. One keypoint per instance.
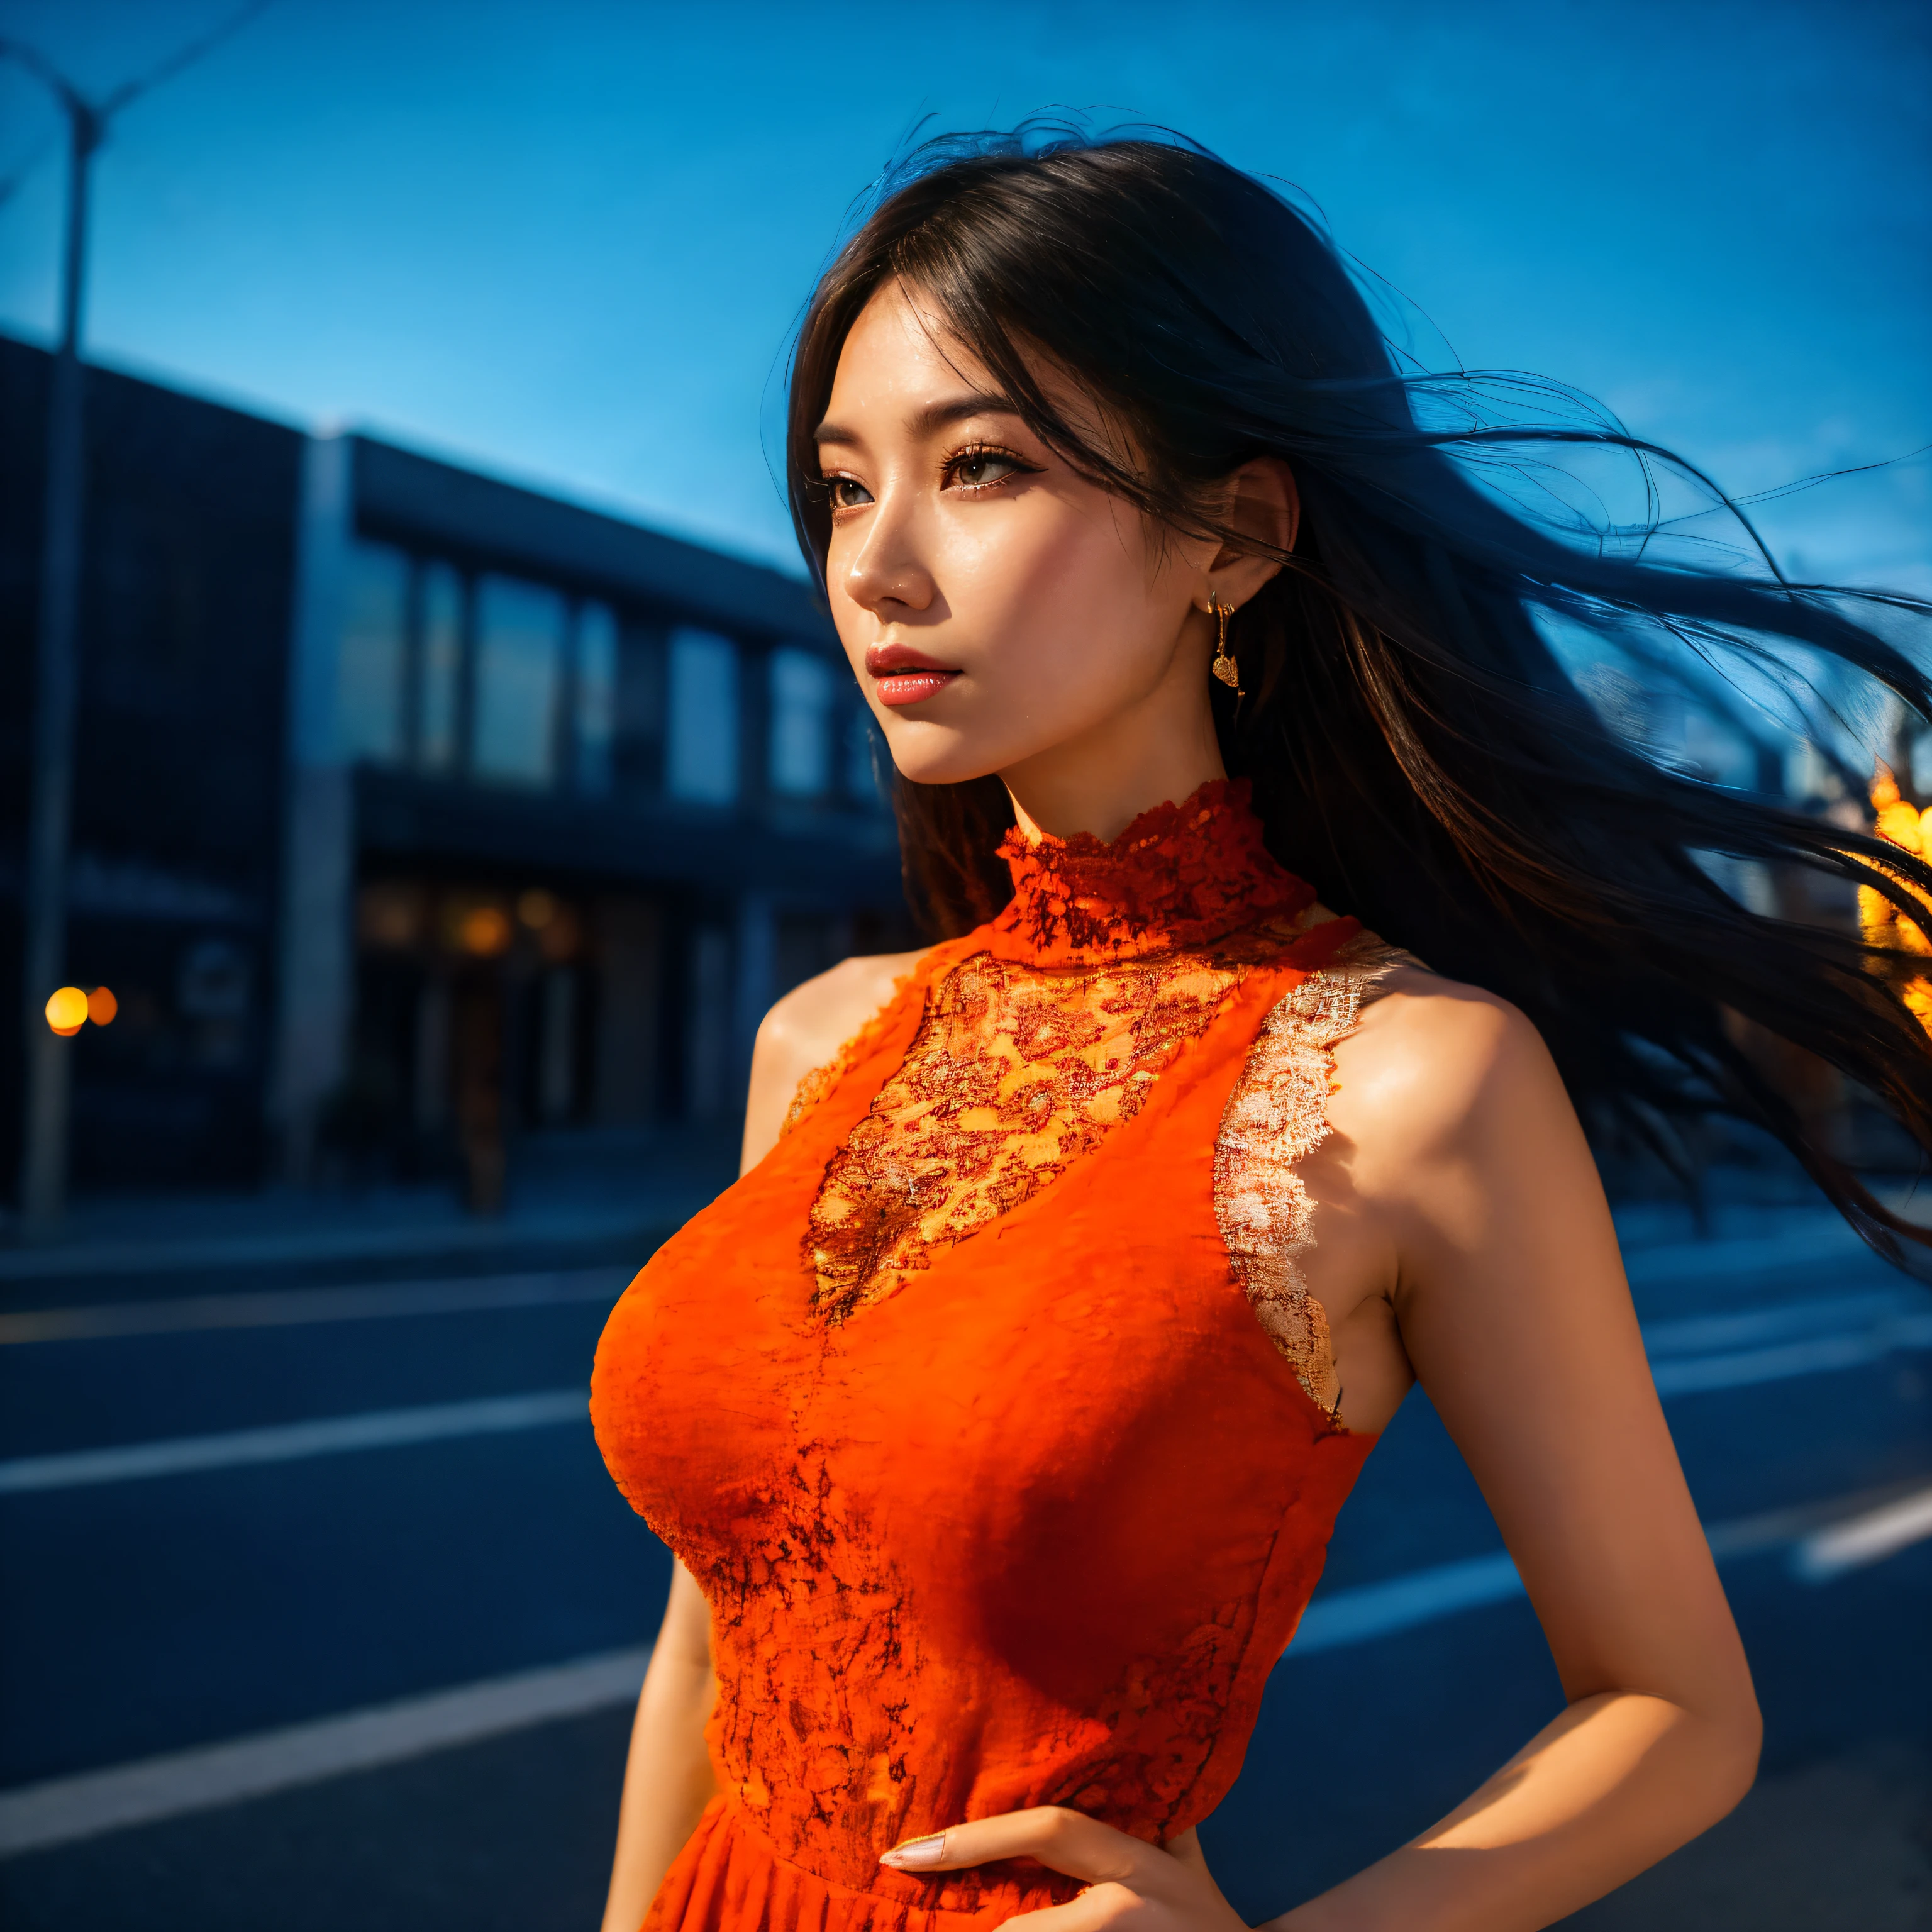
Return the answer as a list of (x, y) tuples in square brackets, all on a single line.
[(565, 241)]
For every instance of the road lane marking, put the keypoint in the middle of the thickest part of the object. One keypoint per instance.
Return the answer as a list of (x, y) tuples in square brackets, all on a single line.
[(288, 1442), (1825, 1355), (398, 1428), (657, 1211), (1369, 1610), (63, 1810), (1870, 1537), (1780, 1321), (1826, 1540), (285, 1308), (1829, 1240)]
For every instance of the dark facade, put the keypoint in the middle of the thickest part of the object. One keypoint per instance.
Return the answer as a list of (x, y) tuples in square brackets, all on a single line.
[(185, 618), (414, 812)]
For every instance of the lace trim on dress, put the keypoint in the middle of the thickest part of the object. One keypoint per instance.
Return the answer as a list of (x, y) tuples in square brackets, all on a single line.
[(1277, 1116), (1179, 876)]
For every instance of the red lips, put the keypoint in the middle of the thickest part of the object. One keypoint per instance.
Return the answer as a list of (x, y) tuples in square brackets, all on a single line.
[(903, 676)]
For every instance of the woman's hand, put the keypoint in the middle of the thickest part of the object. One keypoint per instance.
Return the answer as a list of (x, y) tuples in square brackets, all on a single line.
[(1131, 1885)]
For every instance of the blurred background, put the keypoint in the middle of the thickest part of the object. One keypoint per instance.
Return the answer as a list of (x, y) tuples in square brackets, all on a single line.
[(422, 761)]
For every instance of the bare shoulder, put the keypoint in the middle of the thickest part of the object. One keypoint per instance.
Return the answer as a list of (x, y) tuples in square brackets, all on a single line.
[(804, 1030), (1435, 1064), (1453, 1136)]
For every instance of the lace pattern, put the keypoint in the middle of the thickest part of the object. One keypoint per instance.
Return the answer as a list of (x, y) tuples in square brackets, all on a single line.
[(1179, 876), (1014, 1073), (1109, 959), (1277, 1116)]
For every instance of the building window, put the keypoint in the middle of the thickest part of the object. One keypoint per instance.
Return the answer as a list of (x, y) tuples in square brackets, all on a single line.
[(596, 695), (702, 763), (520, 631), (439, 667), (369, 665), (637, 754), (801, 697)]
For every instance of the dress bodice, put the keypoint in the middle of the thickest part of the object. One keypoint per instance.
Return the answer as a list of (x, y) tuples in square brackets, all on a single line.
[(988, 1410)]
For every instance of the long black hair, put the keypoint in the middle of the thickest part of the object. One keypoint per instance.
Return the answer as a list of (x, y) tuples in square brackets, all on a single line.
[(1417, 750)]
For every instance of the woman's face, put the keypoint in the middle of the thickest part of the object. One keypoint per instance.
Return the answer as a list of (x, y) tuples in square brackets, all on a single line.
[(998, 609)]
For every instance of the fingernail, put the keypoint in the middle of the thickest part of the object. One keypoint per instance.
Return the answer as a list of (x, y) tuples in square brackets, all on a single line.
[(916, 1852)]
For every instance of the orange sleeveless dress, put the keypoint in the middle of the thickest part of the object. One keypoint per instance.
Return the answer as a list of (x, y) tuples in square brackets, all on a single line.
[(987, 1410)]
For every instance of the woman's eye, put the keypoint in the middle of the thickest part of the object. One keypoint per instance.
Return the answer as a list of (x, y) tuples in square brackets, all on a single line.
[(980, 469), (846, 492)]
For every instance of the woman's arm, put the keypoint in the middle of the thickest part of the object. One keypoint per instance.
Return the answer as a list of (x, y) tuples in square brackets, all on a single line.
[(1510, 1297), (667, 1780)]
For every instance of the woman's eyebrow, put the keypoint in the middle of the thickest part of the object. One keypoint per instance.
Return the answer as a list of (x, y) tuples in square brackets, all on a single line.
[(923, 422)]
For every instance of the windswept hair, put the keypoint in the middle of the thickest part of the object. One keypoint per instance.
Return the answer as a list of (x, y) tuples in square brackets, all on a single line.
[(1417, 750)]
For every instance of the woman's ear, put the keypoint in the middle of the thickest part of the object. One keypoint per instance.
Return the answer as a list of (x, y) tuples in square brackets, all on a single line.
[(1263, 504)]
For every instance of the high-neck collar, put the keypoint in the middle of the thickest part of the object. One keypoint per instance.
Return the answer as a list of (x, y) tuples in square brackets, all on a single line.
[(1180, 875)]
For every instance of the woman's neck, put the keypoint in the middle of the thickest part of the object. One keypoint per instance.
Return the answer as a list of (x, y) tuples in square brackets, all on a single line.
[(1102, 783)]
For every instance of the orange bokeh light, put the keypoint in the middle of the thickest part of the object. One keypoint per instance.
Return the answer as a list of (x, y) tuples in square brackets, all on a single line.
[(1902, 824), (67, 1011), (485, 931), (102, 1006)]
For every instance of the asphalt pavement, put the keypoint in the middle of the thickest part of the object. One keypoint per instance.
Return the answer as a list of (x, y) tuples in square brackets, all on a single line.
[(317, 1607)]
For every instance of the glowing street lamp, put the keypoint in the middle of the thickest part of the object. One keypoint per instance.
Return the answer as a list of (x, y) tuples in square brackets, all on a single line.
[(67, 1012)]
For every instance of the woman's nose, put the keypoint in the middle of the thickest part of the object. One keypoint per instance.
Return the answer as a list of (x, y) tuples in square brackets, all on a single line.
[(888, 569)]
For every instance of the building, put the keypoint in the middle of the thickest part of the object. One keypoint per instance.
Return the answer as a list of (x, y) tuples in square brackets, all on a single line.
[(414, 811)]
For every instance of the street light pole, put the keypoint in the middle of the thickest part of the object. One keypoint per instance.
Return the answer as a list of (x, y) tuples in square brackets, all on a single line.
[(49, 1065)]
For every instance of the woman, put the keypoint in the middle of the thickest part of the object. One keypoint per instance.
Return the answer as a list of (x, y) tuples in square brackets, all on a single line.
[(998, 1416)]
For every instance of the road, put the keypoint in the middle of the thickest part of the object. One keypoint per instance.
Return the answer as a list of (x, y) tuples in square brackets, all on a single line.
[(319, 1609)]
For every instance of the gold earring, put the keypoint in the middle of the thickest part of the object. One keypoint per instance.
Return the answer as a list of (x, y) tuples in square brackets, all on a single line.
[(1224, 667)]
